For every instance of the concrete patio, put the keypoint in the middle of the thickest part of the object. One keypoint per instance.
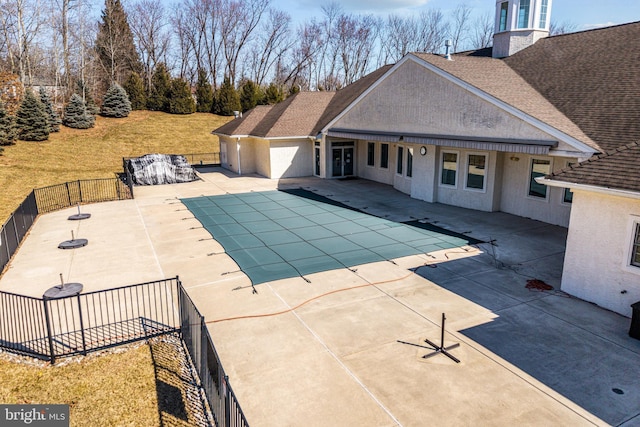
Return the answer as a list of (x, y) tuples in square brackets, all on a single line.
[(527, 357)]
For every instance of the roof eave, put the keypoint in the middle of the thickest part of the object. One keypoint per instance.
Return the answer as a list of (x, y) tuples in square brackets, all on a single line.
[(593, 188)]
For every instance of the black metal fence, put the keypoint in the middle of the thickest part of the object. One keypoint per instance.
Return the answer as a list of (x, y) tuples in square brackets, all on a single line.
[(221, 398), (16, 227), (62, 196), (53, 328), (54, 197)]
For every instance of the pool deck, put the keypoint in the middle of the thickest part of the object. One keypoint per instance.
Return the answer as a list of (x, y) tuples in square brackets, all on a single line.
[(335, 356)]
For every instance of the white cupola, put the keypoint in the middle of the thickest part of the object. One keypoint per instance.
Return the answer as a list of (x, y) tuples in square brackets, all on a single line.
[(519, 24)]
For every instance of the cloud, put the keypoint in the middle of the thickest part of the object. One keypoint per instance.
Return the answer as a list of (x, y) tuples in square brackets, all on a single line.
[(595, 26)]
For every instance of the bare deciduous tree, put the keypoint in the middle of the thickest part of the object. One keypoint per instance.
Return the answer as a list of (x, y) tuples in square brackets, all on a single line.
[(460, 26), (482, 32), (564, 27), (148, 24), (238, 21)]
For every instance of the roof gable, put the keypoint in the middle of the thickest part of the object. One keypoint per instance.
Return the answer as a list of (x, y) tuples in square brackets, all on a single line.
[(492, 77)]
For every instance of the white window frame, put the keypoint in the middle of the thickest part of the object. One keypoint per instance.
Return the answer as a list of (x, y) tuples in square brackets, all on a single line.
[(441, 169), (388, 155), (564, 190), (374, 154), (408, 172), (529, 176), (400, 159), (466, 172), (634, 223)]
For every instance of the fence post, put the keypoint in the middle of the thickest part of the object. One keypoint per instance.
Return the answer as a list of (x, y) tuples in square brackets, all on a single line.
[(227, 402), (84, 343), (66, 184), (49, 336), (80, 191)]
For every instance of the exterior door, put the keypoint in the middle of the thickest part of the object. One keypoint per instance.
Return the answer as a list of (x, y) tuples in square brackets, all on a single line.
[(342, 161)]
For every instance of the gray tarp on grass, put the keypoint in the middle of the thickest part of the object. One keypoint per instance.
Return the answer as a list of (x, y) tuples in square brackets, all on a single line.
[(154, 169)]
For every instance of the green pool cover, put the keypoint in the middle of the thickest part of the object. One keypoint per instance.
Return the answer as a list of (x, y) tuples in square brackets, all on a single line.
[(274, 235)]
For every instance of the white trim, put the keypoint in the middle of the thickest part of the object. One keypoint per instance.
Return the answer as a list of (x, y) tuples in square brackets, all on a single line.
[(441, 168), (399, 161), (584, 148), (634, 221), (374, 154), (410, 152), (528, 195), (484, 176), (388, 156), (567, 164), (610, 191)]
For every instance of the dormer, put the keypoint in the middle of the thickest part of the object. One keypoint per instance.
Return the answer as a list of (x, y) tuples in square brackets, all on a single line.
[(519, 24)]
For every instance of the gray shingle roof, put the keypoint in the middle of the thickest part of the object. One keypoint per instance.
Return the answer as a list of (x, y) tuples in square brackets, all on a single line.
[(302, 114), (616, 169), (593, 77)]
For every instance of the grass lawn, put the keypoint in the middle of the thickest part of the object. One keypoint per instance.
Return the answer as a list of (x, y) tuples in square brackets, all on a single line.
[(73, 154), (124, 388)]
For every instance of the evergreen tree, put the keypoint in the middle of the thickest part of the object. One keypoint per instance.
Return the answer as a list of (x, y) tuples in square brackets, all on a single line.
[(87, 97), (116, 102), (180, 99), (160, 86), (76, 114), (134, 86), (54, 118), (226, 100), (273, 94), (115, 47), (8, 132), (250, 95), (204, 93), (31, 119)]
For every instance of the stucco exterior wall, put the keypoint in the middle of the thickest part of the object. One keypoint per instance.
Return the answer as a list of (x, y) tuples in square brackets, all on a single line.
[(460, 195), (597, 260), (263, 157), (291, 159), (514, 198), (374, 173), (414, 99)]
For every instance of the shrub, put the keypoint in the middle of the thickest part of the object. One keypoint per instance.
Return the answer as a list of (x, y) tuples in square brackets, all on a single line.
[(159, 93), (31, 119), (54, 118), (116, 102), (76, 115), (8, 132), (250, 95), (134, 86), (204, 93), (273, 94), (227, 100), (180, 99)]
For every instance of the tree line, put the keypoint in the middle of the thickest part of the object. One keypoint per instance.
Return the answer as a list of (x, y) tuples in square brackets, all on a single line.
[(154, 50)]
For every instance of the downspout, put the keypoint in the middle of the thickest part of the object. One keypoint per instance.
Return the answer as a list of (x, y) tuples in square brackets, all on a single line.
[(239, 164)]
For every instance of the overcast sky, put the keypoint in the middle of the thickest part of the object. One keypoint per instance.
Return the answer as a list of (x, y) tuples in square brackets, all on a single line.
[(585, 14)]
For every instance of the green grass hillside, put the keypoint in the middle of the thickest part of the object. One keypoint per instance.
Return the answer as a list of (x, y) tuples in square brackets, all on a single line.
[(73, 154)]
